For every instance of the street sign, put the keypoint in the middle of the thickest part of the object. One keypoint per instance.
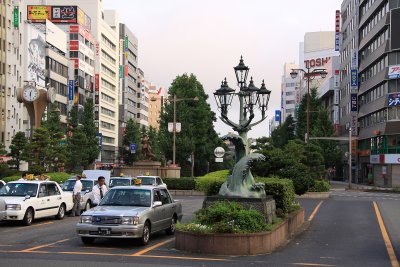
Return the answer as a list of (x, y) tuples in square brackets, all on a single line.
[(219, 152), (132, 148)]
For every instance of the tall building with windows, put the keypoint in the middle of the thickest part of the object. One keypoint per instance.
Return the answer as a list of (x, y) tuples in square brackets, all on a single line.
[(290, 92), (3, 18)]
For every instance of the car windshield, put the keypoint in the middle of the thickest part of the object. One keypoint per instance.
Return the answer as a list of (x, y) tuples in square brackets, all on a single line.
[(147, 180), (119, 182), (127, 197), (86, 185), (19, 189)]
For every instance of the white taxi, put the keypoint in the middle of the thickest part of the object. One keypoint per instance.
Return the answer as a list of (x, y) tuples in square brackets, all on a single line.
[(29, 200)]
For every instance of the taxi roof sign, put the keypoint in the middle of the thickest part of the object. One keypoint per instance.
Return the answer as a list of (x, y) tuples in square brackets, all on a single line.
[(138, 181)]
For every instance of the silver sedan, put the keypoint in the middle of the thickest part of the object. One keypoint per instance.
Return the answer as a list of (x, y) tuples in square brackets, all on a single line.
[(131, 212)]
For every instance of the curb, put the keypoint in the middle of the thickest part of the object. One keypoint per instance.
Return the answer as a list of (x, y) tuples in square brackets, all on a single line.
[(186, 193)]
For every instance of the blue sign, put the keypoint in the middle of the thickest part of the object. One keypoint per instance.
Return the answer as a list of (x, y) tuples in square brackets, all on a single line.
[(393, 100), (337, 41), (71, 90), (132, 147), (354, 78), (100, 135), (277, 115), (353, 102)]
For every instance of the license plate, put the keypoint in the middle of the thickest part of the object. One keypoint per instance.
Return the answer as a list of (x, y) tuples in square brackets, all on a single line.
[(104, 231)]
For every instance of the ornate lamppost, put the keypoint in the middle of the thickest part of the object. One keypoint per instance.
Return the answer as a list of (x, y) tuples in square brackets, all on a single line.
[(241, 182), (308, 75)]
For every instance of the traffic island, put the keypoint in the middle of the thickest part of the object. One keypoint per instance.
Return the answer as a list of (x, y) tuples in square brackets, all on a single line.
[(241, 244)]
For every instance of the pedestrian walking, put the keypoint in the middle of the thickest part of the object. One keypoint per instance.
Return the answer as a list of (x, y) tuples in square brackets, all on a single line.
[(76, 197), (99, 190)]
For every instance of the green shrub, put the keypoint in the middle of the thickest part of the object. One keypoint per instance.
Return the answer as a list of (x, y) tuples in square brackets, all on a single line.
[(180, 183), (231, 217), (282, 191), (320, 186), (211, 182)]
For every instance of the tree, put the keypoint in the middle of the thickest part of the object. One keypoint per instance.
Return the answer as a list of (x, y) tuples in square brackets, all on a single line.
[(18, 149), (155, 143), (89, 129), (132, 136), (39, 147), (301, 125), (283, 133), (56, 152), (76, 151), (3, 150), (197, 138)]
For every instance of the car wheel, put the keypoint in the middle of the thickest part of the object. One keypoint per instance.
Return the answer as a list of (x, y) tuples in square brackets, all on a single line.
[(87, 240), (88, 205), (146, 234), (61, 212), (28, 218), (172, 227)]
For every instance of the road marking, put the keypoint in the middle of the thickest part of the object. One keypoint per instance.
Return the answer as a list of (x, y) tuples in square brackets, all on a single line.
[(315, 211), (389, 247), (152, 247), (311, 264), (183, 258), (21, 228), (43, 246)]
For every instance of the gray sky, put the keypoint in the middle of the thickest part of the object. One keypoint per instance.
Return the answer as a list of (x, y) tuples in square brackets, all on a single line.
[(207, 38)]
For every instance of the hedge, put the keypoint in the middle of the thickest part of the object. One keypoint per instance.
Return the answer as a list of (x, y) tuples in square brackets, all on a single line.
[(282, 191), (58, 177), (320, 186), (211, 182), (184, 183)]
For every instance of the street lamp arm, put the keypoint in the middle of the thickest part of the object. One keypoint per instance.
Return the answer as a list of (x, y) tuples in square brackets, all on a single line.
[(227, 121), (258, 122)]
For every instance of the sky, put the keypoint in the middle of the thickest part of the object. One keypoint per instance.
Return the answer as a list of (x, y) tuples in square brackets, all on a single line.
[(208, 37)]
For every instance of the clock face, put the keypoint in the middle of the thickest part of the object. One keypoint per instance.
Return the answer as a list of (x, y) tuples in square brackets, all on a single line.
[(30, 93)]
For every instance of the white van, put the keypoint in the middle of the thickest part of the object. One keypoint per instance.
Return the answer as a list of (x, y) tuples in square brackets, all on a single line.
[(94, 175)]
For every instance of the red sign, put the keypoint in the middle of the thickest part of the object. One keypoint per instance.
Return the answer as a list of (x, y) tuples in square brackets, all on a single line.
[(316, 62), (126, 70), (96, 82), (337, 21), (97, 49), (74, 45)]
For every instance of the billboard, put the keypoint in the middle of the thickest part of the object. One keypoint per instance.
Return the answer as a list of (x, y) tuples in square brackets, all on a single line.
[(36, 55), (394, 100), (56, 14), (354, 78), (394, 72)]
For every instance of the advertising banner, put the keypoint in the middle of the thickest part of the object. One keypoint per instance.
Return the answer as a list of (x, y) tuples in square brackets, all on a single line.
[(337, 30), (16, 17), (70, 89), (96, 82), (36, 55), (354, 127), (354, 58), (394, 72), (394, 100), (64, 14), (38, 13)]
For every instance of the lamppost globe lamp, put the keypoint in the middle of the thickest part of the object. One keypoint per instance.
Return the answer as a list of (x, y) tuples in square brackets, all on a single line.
[(264, 95), (241, 72), (223, 97), (323, 74), (250, 95), (293, 74)]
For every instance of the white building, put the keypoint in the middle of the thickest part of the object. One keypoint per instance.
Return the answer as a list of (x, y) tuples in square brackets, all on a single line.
[(290, 92)]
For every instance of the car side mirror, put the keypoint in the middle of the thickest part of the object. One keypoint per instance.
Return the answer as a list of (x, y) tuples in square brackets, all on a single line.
[(157, 204), (27, 197), (87, 191)]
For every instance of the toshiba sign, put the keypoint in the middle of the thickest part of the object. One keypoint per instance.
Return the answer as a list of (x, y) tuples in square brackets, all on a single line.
[(318, 62)]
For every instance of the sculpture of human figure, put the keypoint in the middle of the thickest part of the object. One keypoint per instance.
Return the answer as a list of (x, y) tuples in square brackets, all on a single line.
[(146, 148)]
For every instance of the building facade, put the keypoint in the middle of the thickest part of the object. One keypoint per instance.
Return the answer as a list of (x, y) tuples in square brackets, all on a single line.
[(290, 92)]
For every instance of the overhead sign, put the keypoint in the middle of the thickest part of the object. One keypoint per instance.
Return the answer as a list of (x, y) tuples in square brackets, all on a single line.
[(354, 78), (277, 115), (393, 100), (353, 102), (394, 72), (132, 148)]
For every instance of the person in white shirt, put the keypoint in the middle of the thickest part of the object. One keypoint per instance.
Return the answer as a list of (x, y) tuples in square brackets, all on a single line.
[(99, 190), (76, 197)]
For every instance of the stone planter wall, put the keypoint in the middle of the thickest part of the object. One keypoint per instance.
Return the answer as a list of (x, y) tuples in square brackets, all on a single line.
[(315, 195), (240, 244)]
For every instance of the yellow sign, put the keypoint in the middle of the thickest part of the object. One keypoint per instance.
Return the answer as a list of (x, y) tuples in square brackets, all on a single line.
[(39, 13), (138, 181), (81, 17)]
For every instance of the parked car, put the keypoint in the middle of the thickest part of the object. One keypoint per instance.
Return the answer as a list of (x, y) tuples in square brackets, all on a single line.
[(2, 183), (86, 193), (121, 181), (3, 209), (152, 180), (29, 200), (131, 212)]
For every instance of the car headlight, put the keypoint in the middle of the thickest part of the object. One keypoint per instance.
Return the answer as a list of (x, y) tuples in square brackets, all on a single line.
[(130, 220), (86, 219), (13, 206)]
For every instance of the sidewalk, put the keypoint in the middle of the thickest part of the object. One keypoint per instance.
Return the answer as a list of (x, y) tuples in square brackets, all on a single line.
[(340, 186)]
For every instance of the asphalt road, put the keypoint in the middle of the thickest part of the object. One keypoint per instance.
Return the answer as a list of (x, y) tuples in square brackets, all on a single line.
[(344, 231)]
